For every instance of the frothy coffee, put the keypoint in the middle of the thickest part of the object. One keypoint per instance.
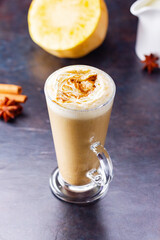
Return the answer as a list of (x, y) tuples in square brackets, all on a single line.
[(79, 87), (79, 100)]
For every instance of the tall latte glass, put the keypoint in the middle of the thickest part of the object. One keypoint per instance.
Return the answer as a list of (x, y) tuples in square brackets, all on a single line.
[(79, 100)]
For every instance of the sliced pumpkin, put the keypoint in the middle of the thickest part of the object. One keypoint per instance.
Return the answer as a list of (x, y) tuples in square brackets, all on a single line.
[(68, 28)]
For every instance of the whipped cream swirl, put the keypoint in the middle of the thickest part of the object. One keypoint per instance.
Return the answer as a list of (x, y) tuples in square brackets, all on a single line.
[(79, 87)]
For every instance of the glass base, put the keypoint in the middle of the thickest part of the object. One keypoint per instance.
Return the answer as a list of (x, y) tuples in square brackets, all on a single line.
[(77, 194)]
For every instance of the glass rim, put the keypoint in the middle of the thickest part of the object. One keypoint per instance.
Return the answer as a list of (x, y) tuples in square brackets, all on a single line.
[(81, 110)]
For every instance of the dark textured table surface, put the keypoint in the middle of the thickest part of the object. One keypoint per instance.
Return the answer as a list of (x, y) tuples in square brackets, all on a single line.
[(131, 209)]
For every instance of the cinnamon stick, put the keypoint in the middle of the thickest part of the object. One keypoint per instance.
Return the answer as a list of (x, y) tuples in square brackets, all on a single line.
[(17, 98), (10, 88)]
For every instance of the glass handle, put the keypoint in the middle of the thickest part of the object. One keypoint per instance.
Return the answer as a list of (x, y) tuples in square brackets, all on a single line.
[(105, 164)]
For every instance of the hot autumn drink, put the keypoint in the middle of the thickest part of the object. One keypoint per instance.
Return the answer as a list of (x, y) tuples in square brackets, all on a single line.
[(79, 100)]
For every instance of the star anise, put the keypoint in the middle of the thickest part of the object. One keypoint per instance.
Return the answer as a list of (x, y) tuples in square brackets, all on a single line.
[(9, 109), (150, 62)]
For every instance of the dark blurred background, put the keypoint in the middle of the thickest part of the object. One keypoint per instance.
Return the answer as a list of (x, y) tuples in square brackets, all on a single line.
[(27, 208)]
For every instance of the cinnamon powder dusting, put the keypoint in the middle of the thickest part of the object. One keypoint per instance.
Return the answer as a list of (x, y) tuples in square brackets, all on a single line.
[(76, 85)]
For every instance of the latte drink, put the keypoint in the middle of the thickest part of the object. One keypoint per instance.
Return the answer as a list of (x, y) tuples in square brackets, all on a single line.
[(79, 100)]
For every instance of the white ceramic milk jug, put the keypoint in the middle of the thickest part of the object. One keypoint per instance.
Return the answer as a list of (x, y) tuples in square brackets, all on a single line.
[(148, 33)]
